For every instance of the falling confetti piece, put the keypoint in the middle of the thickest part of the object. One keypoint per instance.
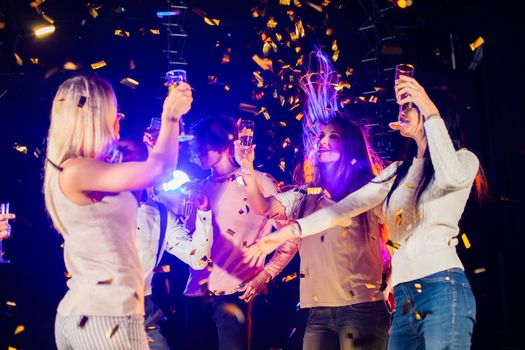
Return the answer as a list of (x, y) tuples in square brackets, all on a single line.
[(47, 18), (93, 9), (36, 3), (193, 252), (106, 282), (211, 21), (418, 316), (480, 270), (409, 186), (111, 332), (476, 43), (20, 148), (18, 60), (465, 240), (70, 66), (314, 190), (314, 6), (19, 329), (272, 23), (399, 216), (234, 310), (344, 232), (284, 2), (393, 244), (155, 31), (226, 58), (129, 82), (203, 282), (67, 274), (98, 65), (10, 303), (122, 33), (83, 321), (264, 63), (11, 348), (418, 287), (370, 285), (50, 72), (289, 277)]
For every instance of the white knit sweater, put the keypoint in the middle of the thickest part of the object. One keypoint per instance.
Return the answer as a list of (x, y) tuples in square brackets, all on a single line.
[(426, 234)]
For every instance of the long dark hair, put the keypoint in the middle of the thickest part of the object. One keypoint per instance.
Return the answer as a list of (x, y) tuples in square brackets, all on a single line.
[(447, 106), (355, 167)]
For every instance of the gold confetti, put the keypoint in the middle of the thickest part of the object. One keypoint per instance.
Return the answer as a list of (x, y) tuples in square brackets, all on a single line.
[(289, 277), (19, 329), (70, 66), (282, 165), (98, 65), (11, 348), (393, 244), (148, 338), (106, 282), (235, 311), (299, 116), (10, 303), (326, 193), (371, 285), (218, 292), (480, 270), (418, 287), (283, 124), (476, 43), (47, 18), (418, 316), (264, 63), (344, 232), (67, 274), (162, 269), (20, 148), (111, 332), (314, 6), (314, 190), (466, 241), (155, 31), (36, 3), (131, 83), (50, 72), (18, 60), (272, 23), (83, 321), (284, 2), (122, 33), (372, 99), (399, 216), (93, 8), (203, 282), (299, 28), (211, 21), (409, 186), (2, 25), (227, 56)]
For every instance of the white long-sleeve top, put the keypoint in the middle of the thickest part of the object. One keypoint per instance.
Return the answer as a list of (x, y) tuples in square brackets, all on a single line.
[(426, 232), (177, 241)]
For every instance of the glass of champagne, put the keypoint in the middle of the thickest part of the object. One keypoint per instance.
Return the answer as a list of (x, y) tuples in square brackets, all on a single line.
[(406, 70), (4, 210), (154, 127), (245, 131), (174, 78)]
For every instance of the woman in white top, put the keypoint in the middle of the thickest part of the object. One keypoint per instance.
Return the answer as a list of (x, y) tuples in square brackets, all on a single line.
[(90, 204), (422, 200)]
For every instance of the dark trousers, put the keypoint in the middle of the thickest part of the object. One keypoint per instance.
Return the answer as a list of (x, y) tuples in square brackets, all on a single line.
[(221, 322), (153, 314)]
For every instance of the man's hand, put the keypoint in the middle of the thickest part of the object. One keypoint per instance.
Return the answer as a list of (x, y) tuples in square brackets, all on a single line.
[(5, 229), (255, 286)]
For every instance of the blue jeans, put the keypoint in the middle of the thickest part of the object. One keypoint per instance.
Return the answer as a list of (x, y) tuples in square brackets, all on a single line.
[(153, 314), (434, 312), (358, 326)]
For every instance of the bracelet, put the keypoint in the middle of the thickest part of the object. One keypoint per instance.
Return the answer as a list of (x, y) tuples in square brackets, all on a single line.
[(431, 115)]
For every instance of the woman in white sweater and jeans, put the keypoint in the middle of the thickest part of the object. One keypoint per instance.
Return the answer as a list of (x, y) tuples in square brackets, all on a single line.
[(422, 200)]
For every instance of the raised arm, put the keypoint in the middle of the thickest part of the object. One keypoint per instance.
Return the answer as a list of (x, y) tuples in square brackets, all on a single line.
[(81, 175), (453, 169), (261, 204)]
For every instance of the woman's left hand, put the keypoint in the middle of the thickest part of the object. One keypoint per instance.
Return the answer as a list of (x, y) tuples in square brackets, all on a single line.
[(408, 90), (257, 252)]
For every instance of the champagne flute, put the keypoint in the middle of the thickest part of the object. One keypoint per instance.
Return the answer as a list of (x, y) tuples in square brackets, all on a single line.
[(406, 70), (4, 210), (174, 78), (246, 130)]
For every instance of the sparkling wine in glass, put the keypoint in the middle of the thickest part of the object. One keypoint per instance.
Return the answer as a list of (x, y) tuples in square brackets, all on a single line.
[(246, 131), (406, 70), (4, 210), (154, 127), (174, 78)]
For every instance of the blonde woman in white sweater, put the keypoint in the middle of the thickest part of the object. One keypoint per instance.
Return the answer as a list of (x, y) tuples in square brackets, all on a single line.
[(422, 200)]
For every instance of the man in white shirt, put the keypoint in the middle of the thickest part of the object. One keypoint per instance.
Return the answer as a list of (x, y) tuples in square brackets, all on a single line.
[(159, 230)]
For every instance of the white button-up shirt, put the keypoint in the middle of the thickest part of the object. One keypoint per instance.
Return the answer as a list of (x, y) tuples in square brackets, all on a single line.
[(191, 249)]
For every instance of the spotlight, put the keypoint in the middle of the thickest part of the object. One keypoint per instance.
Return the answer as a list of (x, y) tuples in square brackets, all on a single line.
[(179, 179), (43, 31)]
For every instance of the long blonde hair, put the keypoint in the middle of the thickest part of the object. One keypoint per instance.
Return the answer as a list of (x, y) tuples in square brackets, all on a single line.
[(79, 129)]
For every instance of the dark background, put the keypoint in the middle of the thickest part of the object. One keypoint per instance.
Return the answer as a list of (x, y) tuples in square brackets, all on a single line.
[(488, 85)]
